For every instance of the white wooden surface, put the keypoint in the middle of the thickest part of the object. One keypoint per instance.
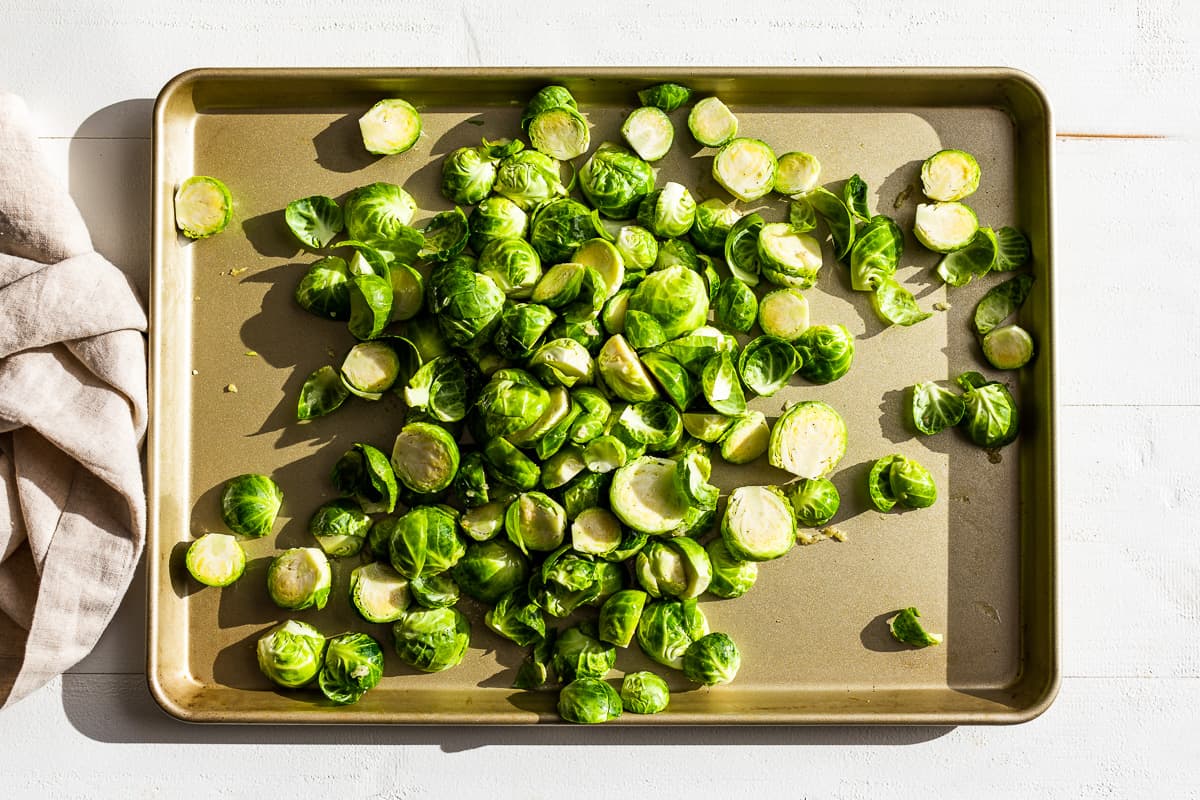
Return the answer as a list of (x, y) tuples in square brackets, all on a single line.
[(1117, 72)]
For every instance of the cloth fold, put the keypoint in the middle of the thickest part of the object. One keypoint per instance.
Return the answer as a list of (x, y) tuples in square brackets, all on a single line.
[(72, 419)]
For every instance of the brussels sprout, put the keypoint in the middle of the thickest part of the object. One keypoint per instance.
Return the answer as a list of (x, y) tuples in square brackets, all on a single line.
[(654, 423), (619, 616), (837, 216), (714, 219), (370, 306), (766, 364), (1008, 347), (299, 578), (408, 292), (642, 330), (562, 467), (741, 249), (216, 559), (875, 254), (677, 383), (826, 353), (536, 522), (895, 304), (434, 591), (912, 485), (991, 418), (468, 174), (798, 173), (644, 496), (1001, 302), (879, 483), (735, 306), (623, 373), (707, 427), (712, 660), (424, 336), (424, 541), (731, 577), (722, 388), (667, 212), (667, 628), (370, 369), (665, 96), (556, 435), (758, 524), (322, 393), (249, 504), (490, 569), (510, 464), (638, 248), (944, 227), (676, 567), (712, 123), (340, 528), (854, 194), (558, 227), (1012, 250), (494, 218), (535, 668), (934, 408), (562, 361), (425, 457), (579, 654), (801, 215), (692, 471), (529, 178), (783, 314), (203, 207), (315, 220), (465, 303), (517, 618), (568, 581), (649, 132), (432, 639), (588, 701), (675, 297), (596, 531), (484, 522), (808, 440), (378, 213), (644, 693), (520, 329), (906, 629), (594, 413), (605, 453), (290, 654), (440, 389), (957, 268), (378, 592), (365, 474), (367, 259), (814, 501), (788, 258), (585, 492), (746, 439), (949, 175), (445, 235), (746, 168), (325, 289), (391, 126), (353, 665), (696, 349), (547, 98), (615, 181)]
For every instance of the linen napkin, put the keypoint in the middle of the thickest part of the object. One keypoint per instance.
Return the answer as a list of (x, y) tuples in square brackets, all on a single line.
[(72, 418)]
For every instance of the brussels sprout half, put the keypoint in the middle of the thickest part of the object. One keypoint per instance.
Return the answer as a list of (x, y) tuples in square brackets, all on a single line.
[(712, 123), (766, 364), (674, 567), (604, 257), (534, 521), (299, 578), (666, 96), (798, 172), (944, 227), (758, 524), (949, 175), (290, 654), (879, 483), (731, 576), (249, 504), (649, 132), (783, 313), (788, 258), (560, 133), (370, 369), (424, 541), (667, 628), (623, 372), (340, 528), (912, 484), (644, 496), (1008, 347), (746, 439), (934, 408), (391, 126), (746, 168), (322, 393), (668, 212), (808, 440), (425, 457), (378, 592), (735, 306), (826, 353), (216, 559), (353, 665), (990, 417), (644, 693), (203, 207), (325, 289)]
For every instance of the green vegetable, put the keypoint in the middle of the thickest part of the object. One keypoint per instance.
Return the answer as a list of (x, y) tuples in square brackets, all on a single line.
[(299, 578), (370, 369), (604, 257), (1012, 250), (378, 592), (731, 576), (465, 303), (797, 173), (425, 457), (912, 484), (974, 260), (325, 289), (638, 248), (826, 353), (579, 654), (644, 495), (315, 220), (534, 521), (855, 195), (649, 132), (815, 501), (837, 216), (906, 629), (1001, 302), (1008, 347), (468, 175), (291, 653), (667, 212), (391, 126), (517, 618), (615, 181), (949, 175), (895, 304), (619, 616), (666, 96), (746, 168), (876, 253), (511, 465), (783, 314), (340, 528), (735, 307), (560, 133), (366, 474), (675, 567), (667, 628), (495, 217), (353, 666), (378, 213), (758, 524), (216, 559), (484, 522), (767, 364), (944, 227), (934, 408), (564, 362), (547, 98), (712, 660), (623, 373), (801, 214), (440, 389), (558, 227), (605, 453), (712, 123), (588, 700), (203, 207), (489, 570), (432, 639), (370, 306), (788, 258), (424, 541), (249, 504), (644, 693), (746, 439), (445, 235), (879, 483), (529, 178), (707, 427), (808, 440), (741, 249), (722, 387), (434, 591), (991, 418)]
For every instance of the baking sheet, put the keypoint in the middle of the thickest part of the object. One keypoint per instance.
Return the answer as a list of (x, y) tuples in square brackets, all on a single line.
[(980, 564)]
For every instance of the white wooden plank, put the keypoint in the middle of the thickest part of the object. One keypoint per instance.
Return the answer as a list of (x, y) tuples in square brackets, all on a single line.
[(1116, 68)]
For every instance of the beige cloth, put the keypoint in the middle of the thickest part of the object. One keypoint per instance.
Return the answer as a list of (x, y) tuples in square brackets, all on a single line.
[(72, 418)]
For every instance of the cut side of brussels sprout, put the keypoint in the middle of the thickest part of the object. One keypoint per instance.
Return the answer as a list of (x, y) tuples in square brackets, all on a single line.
[(945, 227), (906, 629), (758, 524), (370, 369), (425, 457), (794, 256), (560, 133), (484, 522), (535, 522), (712, 123), (1008, 347), (605, 454), (249, 504), (564, 362), (340, 528), (299, 578), (797, 173), (623, 372), (596, 531), (391, 126), (203, 207), (216, 559), (378, 592), (315, 220), (291, 653), (649, 132), (605, 258), (808, 440), (557, 409), (949, 175), (707, 427), (562, 467), (746, 168), (746, 439), (644, 496), (783, 313)]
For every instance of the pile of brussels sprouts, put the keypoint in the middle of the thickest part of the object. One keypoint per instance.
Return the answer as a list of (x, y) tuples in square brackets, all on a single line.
[(565, 388)]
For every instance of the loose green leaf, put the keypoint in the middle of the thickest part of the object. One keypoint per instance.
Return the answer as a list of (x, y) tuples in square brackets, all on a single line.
[(935, 408), (314, 220), (1001, 302), (895, 304)]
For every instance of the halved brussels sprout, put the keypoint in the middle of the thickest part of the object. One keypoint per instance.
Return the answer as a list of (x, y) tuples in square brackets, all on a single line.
[(468, 174), (788, 258), (766, 364), (707, 427), (534, 521), (677, 383), (520, 329), (465, 304), (644, 693), (325, 289), (722, 387), (440, 388), (912, 484), (697, 348), (712, 123), (588, 701), (562, 467), (546, 98), (558, 408), (249, 504), (731, 577), (391, 126), (560, 133), (944, 227), (1008, 347), (714, 219), (434, 591), (299, 578), (594, 413), (378, 592), (712, 660), (604, 257), (879, 483), (605, 453), (875, 254), (957, 268), (558, 433), (637, 247), (370, 369), (949, 175), (529, 178), (315, 220), (496, 217), (483, 523), (567, 581), (408, 292), (667, 628), (1001, 302), (378, 213), (425, 457), (1013, 250), (991, 418), (290, 654), (654, 423), (758, 524), (562, 361), (808, 440), (216, 559), (837, 216), (619, 616), (676, 297), (783, 314), (798, 172), (203, 207), (623, 372), (649, 132), (906, 629), (826, 353), (579, 654), (644, 496), (746, 168), (814, 501), (517, 618), (642, 330), (353, 665), (558, 227), (432, 639), (934, 408), (854, 194), (370, 306), (615, 180), (340, 528), (746, 439), (668, 212), (736, 306), (675, 567), (424, 541), (666, 96), (596, 531), (511, 465), (365, 474)]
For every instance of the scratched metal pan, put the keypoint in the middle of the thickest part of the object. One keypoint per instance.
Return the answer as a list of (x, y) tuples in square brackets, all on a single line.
[(980, 564)]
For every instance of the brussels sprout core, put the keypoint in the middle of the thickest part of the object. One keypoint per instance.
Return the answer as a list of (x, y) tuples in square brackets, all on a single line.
[(216, 559), (949, 175), (370, 369), (808, 440), (203, 207), (391, 126), (795, 257), (746, 168), (560, 133), (943, 227), (378, 592)]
